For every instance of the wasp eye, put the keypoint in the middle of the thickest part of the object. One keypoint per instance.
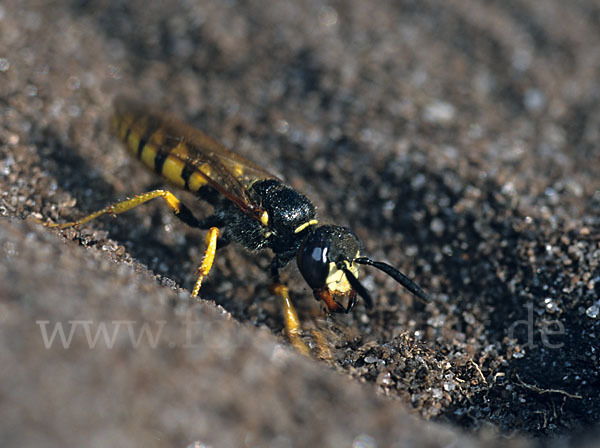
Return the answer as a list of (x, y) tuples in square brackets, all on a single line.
[(313, 262)]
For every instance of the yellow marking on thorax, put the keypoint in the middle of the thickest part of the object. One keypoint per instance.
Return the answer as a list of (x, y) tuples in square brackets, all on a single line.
[(301, 227), (264, 219)]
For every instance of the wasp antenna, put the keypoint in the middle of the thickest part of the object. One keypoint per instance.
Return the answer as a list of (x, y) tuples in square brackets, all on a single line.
[(396, 275), (359, 288)]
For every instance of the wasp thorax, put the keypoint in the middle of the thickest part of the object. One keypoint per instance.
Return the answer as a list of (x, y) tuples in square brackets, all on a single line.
[(287, 209)]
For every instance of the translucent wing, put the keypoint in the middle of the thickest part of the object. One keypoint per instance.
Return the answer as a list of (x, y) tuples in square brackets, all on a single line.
[(185, 156)]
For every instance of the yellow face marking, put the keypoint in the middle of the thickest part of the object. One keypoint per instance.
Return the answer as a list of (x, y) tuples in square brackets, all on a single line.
[(301, 227), (336, 279)]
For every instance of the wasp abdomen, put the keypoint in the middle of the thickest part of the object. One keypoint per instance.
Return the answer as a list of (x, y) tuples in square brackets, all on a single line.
[(160, 148)]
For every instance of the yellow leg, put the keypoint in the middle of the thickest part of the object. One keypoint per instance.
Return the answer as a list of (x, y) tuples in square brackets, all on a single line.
[(120, 207), (209, 258), (292, 323)]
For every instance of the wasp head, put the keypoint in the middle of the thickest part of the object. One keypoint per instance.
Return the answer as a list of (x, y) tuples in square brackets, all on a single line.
[(328, 260)]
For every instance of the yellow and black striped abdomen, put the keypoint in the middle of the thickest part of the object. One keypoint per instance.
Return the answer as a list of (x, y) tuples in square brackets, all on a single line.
[(150, 138), (187, 157)]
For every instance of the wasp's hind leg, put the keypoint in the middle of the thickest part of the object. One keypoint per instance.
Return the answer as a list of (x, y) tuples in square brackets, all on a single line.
[(180, 210), (176, 206)]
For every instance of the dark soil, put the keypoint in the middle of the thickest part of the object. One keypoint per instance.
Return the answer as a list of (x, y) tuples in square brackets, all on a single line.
[(459, 140)]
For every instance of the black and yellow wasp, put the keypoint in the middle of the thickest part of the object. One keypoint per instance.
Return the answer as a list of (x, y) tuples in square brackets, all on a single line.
[(251, 207)]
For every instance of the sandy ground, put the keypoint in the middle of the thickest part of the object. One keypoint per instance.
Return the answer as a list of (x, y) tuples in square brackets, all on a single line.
[(459, 140)]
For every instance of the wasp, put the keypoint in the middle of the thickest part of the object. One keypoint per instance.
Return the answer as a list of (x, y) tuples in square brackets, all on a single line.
[(252, 207)]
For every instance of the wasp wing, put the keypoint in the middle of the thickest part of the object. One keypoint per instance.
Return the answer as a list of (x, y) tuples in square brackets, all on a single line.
[(186, 156)]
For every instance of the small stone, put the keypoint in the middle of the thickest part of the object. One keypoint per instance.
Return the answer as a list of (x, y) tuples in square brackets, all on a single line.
[(593, 311)]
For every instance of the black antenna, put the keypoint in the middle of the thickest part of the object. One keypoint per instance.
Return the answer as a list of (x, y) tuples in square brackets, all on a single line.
[(395, 274), (358, 287)]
